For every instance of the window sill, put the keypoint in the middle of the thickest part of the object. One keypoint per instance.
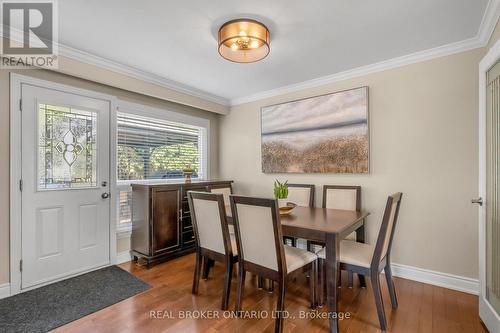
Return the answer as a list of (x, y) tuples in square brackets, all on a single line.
[(123, 184)]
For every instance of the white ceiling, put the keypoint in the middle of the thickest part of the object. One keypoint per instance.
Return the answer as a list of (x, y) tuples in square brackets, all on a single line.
[(176, 40)]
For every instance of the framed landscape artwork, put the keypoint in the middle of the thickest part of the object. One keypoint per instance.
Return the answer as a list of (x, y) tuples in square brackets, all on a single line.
[(322, 134)]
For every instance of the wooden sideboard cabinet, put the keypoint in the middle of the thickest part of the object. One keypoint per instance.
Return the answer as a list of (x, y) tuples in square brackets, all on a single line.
[(161, 220)]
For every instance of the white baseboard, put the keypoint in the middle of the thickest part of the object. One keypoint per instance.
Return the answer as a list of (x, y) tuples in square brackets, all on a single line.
[(440, 279), (122, 257), (445, 280), (4, 290)]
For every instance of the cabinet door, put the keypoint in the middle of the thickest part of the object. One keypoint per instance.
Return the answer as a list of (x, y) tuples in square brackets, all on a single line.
[(166, 233)]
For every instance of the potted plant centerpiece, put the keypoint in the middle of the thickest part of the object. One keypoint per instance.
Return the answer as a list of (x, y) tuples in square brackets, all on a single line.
[(281, 192)]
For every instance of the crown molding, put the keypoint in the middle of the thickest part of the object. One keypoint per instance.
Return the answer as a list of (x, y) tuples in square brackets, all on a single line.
[(482, 38), (484, 33), (405, 60), (489, 21), (131, 71), (92, 59)]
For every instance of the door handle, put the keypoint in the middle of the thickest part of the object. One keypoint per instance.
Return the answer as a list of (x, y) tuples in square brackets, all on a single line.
[(105, 195), (478, 201)]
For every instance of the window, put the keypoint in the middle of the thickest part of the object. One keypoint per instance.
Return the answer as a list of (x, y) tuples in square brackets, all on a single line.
[(156, 145), (66, 148)]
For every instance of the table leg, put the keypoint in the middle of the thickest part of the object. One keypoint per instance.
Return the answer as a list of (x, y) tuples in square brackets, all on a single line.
[(360, 238), (332, 272)]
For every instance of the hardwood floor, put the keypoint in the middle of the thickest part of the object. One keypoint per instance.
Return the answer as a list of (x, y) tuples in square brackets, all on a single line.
[(422, 308)]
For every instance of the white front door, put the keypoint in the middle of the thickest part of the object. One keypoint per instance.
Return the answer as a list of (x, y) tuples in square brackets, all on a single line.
[(65, 184)]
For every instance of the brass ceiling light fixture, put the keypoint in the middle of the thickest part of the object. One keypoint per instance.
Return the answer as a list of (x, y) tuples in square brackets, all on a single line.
[(243, 41)]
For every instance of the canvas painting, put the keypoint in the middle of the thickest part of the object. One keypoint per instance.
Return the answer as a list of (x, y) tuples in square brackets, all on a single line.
[(323, 134)]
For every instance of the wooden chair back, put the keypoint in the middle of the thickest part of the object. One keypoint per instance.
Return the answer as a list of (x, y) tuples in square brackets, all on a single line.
[(259, 236), (342, 197), (208, 216), (301, 194), (226, 191), (386, 234)]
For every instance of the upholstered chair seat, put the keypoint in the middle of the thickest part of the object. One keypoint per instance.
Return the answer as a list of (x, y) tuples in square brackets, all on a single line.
[(353, 253), (297, 258)]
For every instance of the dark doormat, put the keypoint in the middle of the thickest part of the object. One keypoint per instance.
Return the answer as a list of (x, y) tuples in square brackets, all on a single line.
[(48, 307)]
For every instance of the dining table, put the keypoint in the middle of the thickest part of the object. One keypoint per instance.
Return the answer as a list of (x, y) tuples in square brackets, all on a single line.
[(329, 227)]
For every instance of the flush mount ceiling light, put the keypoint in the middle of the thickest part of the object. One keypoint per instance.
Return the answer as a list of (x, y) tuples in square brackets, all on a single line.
[(243, 40)]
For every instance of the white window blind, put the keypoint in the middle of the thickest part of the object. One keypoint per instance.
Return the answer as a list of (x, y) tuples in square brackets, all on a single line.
[(157, 149), (151, 149)]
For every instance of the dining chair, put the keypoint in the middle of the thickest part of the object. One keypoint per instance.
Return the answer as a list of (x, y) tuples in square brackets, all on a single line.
[(369, 260), (301, 195), (226, 191), (261, 250), (213, 241), (342, 197), (346, 197)]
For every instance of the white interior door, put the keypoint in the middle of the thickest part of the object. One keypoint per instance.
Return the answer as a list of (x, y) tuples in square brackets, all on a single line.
[(65, 184), (489, 230)]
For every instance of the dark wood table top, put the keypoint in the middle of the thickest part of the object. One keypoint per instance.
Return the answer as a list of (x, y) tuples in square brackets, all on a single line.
[(315, 223), (322, 219)]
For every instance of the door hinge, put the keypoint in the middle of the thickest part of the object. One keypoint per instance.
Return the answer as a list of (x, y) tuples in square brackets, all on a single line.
[(20, 105), (21, 185), (20, 265)]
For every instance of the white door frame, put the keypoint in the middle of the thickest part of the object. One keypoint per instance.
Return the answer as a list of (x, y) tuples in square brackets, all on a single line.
[(16, 82), (486, 312)]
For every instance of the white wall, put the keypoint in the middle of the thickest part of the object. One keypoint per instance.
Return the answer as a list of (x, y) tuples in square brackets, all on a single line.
[(423, 127)]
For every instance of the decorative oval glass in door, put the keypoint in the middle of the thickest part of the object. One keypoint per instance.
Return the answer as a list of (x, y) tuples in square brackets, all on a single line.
[(67, 153)]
